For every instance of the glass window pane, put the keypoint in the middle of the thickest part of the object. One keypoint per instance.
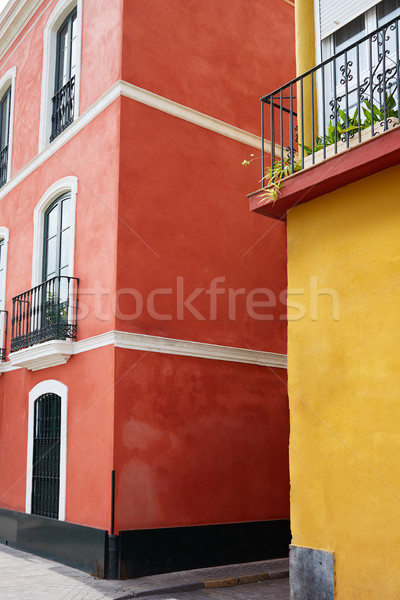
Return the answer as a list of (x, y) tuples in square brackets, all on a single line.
[(5, 119), (51, 257), (349, 34), (64, 249), (345, 37), (73, 46), (66, 213), (52, 222), (62, 57), (385, 9), (64, 286)]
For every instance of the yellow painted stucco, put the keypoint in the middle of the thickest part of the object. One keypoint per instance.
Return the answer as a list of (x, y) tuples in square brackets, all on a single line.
[(305, 60), (305, 36), (344, 382)]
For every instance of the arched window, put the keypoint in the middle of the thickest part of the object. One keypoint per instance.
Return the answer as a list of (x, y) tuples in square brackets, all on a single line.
[(64, 91), (47, 450), (7, 86), (61, 70), (5, 113), (56, 240), (46, 456), (54, 231)]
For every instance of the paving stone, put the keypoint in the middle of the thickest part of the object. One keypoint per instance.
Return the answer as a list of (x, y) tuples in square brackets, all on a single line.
[(28, 577)]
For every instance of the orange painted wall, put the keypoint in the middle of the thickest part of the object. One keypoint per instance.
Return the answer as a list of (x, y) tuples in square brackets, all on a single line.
[(101, 45), (184, 214), (159, 199), (216, 57), (96, 220), (89, 377), (198, 441)]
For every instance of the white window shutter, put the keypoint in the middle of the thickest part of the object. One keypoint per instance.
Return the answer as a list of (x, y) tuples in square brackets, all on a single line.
[(336, 13)]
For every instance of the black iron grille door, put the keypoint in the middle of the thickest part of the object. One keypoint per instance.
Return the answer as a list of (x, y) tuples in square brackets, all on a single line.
[(46, 456)]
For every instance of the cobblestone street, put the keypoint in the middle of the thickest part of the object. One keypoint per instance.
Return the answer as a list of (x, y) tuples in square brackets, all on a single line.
[(24, 576)]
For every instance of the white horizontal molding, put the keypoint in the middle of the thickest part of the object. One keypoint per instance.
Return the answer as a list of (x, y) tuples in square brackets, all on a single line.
[(139, 95), (162, 345), (42, 356), (6, 367), (192, 116), (91, 113), (49, 354), (13, 19)]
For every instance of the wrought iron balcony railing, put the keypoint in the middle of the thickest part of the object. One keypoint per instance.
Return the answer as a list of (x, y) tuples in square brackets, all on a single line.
[(63, 108), (45, 312), (3, 334), (346, 99), (3, 165)]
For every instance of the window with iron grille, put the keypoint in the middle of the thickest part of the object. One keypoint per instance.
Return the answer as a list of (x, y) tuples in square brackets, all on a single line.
[(46, 456), (64, 89), (358, 73), (5, 112)]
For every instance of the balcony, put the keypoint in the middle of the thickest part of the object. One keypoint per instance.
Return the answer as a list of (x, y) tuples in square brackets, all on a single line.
[(336, 107), (63, 108), (44, 323)]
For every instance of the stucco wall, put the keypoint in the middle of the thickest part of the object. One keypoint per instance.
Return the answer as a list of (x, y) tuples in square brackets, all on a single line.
[(344, 382)]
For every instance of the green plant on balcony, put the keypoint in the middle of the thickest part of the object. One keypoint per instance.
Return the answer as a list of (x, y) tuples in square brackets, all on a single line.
[(274, 174), (55, 311), (349, 126), (345, 127)]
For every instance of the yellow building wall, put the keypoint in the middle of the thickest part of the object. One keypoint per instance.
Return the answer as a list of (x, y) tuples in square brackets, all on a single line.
[(344, 382)]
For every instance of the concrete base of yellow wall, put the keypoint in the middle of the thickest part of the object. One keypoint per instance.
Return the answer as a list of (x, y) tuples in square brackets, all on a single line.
[(312, 574)]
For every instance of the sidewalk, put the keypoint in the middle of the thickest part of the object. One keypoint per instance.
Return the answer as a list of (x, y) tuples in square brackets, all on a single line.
[(24, 576)]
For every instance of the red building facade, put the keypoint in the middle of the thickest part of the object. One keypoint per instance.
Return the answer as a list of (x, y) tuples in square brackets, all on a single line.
[(143, 382)]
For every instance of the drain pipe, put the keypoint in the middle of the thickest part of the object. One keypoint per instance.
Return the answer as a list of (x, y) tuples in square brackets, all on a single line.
[(112, 566)]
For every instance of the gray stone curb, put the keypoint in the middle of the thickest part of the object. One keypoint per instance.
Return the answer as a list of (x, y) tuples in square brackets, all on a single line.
[(207, 584)]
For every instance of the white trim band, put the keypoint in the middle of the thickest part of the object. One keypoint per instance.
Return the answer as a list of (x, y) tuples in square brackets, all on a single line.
[(122, 88), (192, 116), (48, 354), (161, 345)]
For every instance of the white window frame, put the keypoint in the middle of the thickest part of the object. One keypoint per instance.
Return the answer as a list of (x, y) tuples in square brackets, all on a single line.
[(8, 80), (56, 19), (67, 184), (324, 48), (4, 236), (50, 386)]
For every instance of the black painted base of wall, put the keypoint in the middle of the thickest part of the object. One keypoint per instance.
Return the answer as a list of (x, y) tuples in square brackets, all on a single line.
[(152, 551), (84, 548), (146, 551)]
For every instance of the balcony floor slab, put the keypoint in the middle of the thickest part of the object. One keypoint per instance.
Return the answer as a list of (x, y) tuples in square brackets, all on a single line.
[(42, 356), (370, 157)]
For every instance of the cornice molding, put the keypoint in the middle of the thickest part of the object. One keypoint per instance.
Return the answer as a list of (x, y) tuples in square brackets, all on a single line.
[(13, 19), (162, 345), (55, 353), (122, 88), (192, 116), (151, 343), (42, 356)]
